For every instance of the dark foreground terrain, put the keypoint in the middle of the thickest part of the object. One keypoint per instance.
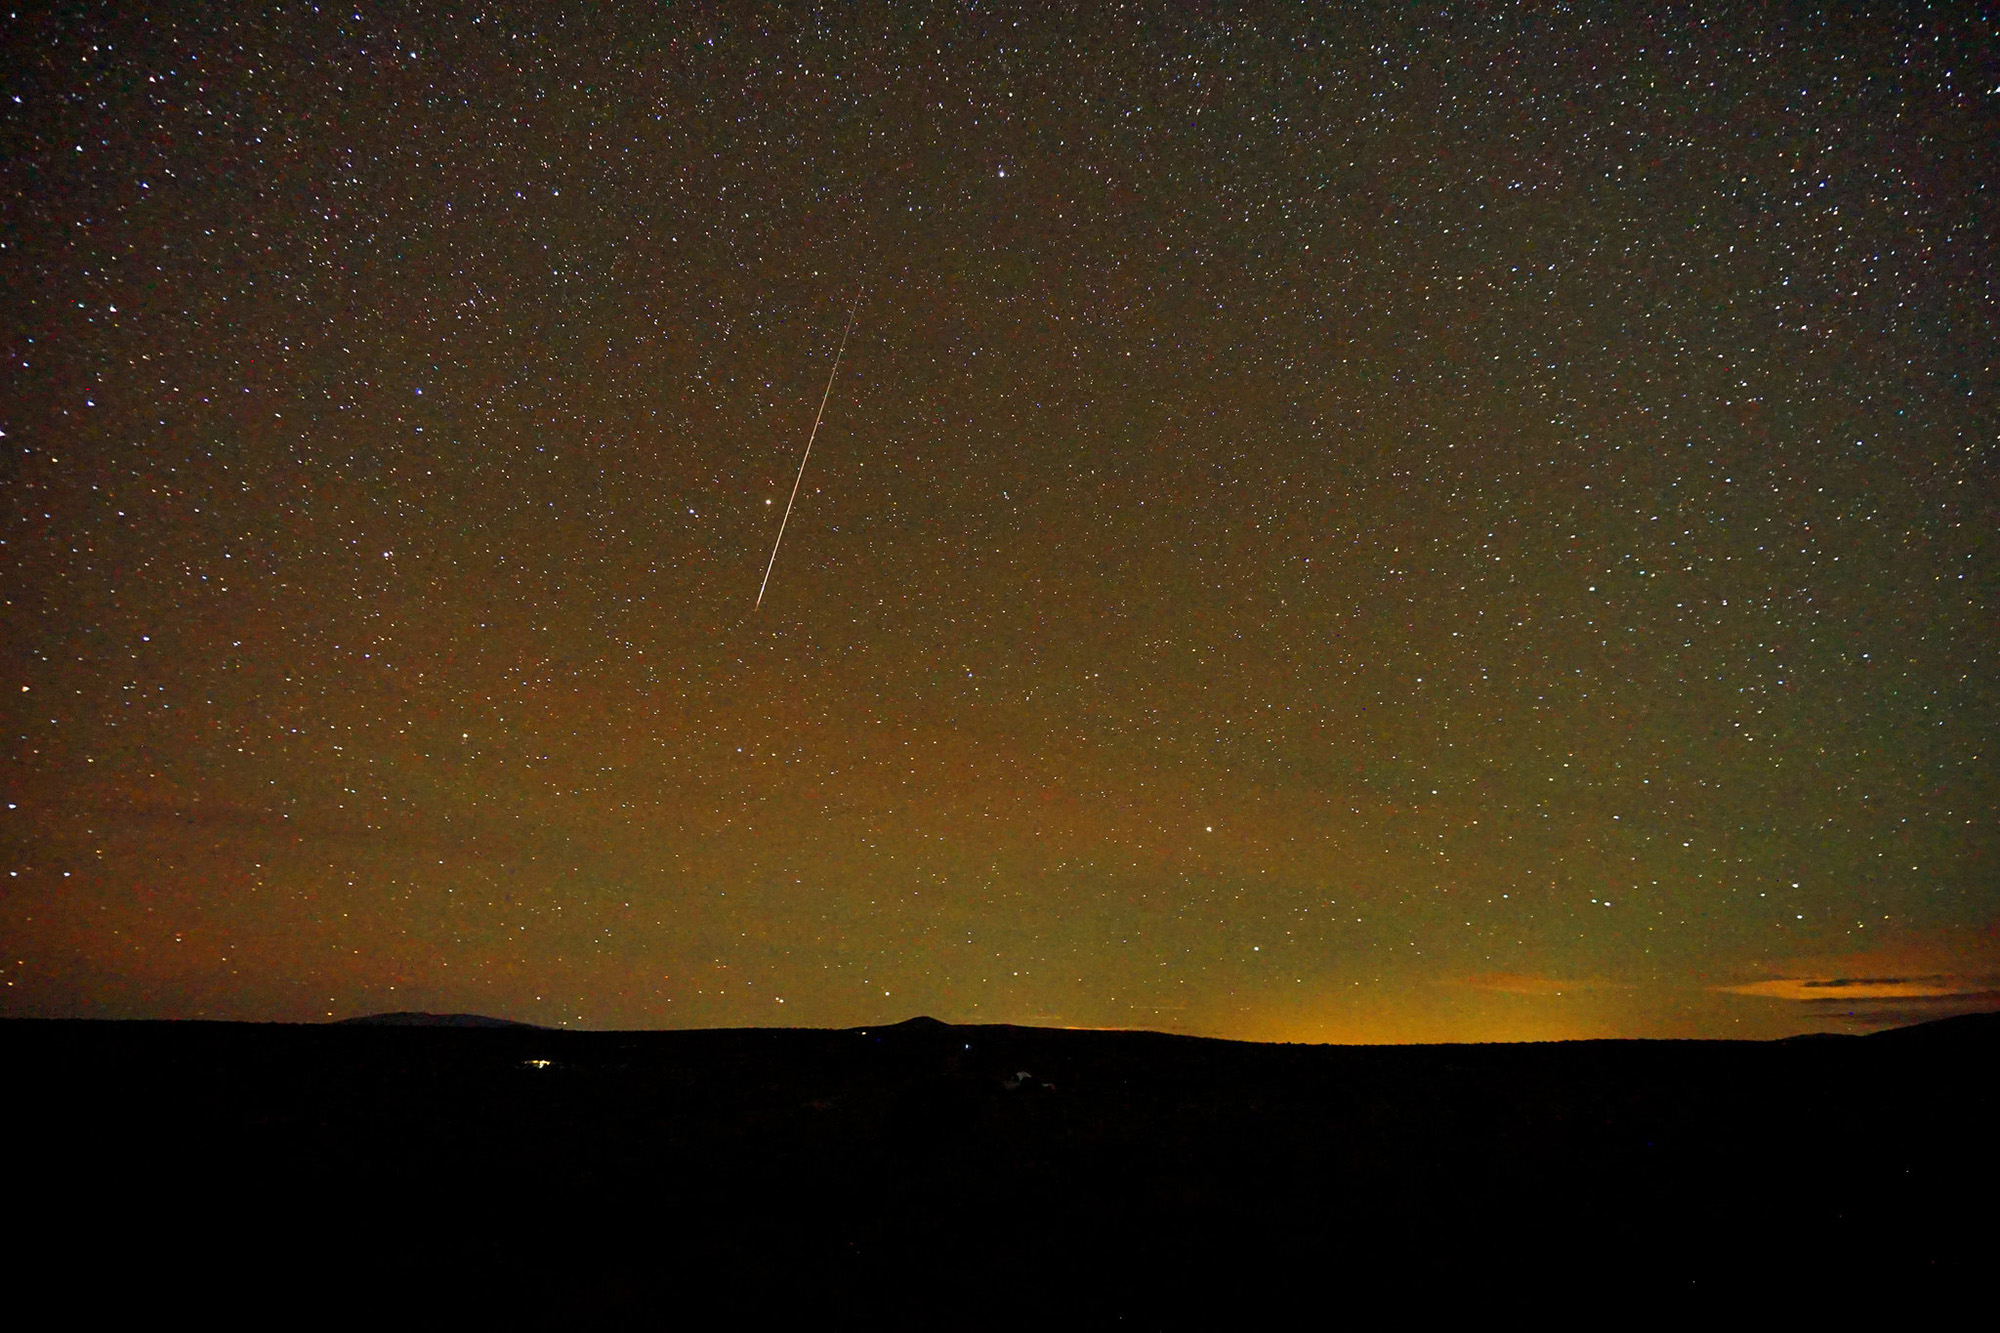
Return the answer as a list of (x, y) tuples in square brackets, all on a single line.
[(911, 1174)]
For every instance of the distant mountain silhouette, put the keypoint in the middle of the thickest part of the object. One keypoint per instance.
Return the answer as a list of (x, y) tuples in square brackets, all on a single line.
[(1962, 1027), (1140, 1179), (920, 1033), (407, 1019), (1820, 1036), (921, 1023)]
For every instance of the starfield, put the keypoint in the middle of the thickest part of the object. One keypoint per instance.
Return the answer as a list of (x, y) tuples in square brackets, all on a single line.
[(1334, 523), (1346, 525)]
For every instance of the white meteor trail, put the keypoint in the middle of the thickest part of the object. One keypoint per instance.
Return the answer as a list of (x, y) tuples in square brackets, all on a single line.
[(810, 437)]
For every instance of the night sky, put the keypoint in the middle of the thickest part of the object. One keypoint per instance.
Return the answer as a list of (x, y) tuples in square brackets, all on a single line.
[(1332, 525)]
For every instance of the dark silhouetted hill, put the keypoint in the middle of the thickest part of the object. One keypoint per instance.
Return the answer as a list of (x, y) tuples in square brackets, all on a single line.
[(409, 1019), (938, 1175), (1967, 1029)]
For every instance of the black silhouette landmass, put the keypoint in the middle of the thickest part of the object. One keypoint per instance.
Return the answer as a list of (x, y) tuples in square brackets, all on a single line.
[(1973, 1029), (412, 1019), (954, 1176)]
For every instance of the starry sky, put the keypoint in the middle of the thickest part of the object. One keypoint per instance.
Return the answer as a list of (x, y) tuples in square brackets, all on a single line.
[(1397, 523)]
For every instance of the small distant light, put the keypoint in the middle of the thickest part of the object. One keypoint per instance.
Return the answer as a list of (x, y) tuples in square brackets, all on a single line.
[(536, 1064)]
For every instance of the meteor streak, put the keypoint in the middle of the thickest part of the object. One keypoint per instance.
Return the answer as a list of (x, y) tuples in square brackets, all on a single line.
[(810, 437)]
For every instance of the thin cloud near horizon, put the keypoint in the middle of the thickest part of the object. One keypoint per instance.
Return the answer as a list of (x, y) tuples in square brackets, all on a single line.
[(1843, 989)]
